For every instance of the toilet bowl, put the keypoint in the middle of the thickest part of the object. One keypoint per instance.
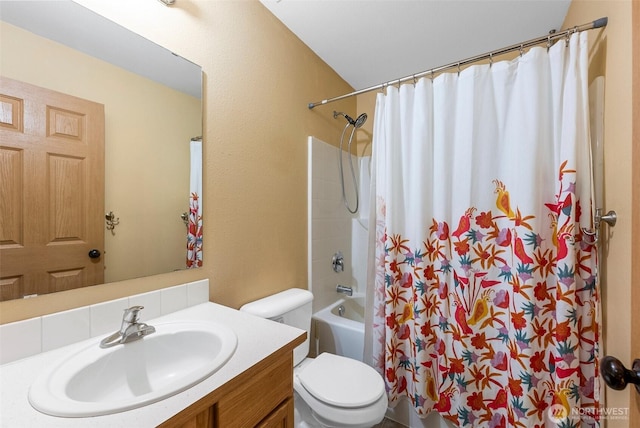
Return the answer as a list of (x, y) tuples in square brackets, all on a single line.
[(329, 390), (339, 392)]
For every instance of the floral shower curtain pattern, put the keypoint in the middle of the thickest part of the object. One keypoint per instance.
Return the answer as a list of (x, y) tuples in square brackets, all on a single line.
[(194, 225), (486, 303)]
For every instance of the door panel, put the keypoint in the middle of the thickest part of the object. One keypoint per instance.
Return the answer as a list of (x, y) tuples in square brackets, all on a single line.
[(51, 190)]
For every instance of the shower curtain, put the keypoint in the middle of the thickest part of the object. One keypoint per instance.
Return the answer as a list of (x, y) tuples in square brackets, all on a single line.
[(486, 303), (194, 225)]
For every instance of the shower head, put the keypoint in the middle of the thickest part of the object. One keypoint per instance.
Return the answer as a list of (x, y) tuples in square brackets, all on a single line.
[(357, 123), (360, 120)]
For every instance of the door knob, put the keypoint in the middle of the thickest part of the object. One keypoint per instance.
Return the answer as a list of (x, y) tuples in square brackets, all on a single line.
[(616, 376), (94, 254)]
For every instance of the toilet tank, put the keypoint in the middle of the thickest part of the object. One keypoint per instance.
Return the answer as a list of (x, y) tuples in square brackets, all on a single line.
[(291, 307)]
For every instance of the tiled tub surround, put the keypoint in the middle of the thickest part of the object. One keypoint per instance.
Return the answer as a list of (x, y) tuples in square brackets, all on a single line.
[(331, 227), (257, 339), (22, 339)]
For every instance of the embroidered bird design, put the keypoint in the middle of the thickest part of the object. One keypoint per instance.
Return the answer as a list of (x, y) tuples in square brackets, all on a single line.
[(503, 201), (480, 308), (560, 394), (465, 223), (430, 387), (407, 313), (519, 250), (564, 234), (461, 315)]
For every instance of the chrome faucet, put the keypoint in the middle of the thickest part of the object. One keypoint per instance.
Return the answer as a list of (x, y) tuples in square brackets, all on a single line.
[(344, 290), (130, 330)]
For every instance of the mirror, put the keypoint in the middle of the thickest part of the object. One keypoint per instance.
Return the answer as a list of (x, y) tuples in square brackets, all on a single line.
[(152, 110)]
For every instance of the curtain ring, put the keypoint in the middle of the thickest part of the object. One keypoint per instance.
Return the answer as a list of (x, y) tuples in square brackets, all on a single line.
[(490, 59), (458, 69), (399, 83), (521, 50), (432, 75), (548, 42), (415, 81)]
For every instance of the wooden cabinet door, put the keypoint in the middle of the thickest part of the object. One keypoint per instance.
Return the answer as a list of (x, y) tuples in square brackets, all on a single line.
[(51, 190), (247, 406), (204, 419), (281, 417)]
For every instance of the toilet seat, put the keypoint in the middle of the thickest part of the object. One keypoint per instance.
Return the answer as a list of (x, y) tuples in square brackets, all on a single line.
[(341, 381), (330, 415)]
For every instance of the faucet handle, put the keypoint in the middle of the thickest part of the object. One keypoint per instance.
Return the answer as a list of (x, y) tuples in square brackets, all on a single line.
[(131, 314)]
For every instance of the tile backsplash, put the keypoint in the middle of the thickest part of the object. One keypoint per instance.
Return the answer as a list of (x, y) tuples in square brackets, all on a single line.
[(22, 339)]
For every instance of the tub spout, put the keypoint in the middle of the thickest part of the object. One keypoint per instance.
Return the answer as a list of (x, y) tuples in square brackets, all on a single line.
[(344, 290)]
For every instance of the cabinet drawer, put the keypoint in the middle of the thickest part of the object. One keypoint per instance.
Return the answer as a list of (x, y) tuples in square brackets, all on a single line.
[(248, 404), (282, 417)]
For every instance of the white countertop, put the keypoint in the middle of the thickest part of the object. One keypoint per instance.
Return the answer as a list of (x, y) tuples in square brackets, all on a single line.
[(257, 339)]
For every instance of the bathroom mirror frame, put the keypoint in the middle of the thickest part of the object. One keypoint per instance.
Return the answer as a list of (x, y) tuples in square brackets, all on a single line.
[(102, 41)]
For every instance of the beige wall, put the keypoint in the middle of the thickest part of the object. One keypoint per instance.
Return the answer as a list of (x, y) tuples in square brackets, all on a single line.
[(146, 151), (610, 55), (635, 250), (259, 79)]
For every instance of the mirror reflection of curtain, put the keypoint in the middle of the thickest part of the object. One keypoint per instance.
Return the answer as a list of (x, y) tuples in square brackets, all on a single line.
[(194, 227)]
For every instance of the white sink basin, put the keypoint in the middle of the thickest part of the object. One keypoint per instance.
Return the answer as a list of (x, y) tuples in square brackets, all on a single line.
[(93, 381)]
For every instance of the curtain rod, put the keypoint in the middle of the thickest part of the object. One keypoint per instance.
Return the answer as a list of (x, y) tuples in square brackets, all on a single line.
[(598, 23)]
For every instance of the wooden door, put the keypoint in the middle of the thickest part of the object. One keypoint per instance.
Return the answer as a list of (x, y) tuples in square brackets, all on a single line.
[(51, 190)]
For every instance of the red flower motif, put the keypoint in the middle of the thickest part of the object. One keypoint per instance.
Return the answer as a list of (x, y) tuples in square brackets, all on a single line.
[(562, 331), (443, 231), (504, 238), (392, 323), (461, 247), (500, 401), (499, 361), (515, 386), (502, 299), (404, 332), (443, 290), (540, 291), (518, 320), (484, 220), (391, 375), (475, 401), (456, 366), (537, 362), (429, 272), (426, 329), (479, 341)]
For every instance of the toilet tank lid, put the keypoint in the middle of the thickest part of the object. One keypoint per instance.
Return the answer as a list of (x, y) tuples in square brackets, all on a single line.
[(279, 303)]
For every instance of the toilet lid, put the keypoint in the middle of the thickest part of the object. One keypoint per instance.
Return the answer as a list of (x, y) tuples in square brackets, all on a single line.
[(341, 381)]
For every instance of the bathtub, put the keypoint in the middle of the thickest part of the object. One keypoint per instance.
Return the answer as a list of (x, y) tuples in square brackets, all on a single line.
[(339, 328)]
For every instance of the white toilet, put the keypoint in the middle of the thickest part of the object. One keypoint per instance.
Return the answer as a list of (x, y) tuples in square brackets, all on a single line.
[(330, 390)]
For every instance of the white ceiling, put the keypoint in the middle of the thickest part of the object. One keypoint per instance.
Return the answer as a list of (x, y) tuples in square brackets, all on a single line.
[(368, 42), (77, 27)]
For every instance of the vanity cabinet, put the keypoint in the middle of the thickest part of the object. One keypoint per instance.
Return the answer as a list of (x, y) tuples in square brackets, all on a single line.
[(261, 396)]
